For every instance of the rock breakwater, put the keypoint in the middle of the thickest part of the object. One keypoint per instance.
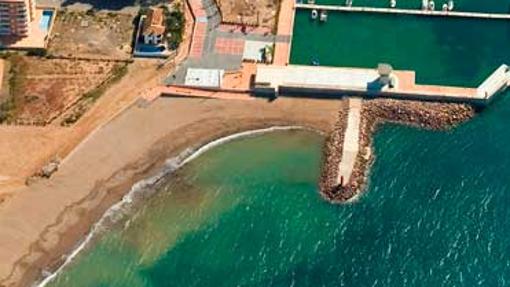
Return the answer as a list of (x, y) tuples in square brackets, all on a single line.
[(428, 115)]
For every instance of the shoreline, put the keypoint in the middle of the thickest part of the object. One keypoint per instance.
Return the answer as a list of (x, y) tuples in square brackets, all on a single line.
[(63, 224), (170, 166), (374, 114), (198, 123)]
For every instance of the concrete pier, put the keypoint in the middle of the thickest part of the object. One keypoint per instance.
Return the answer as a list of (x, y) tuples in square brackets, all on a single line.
[(405, 11), (350, 148), (334, 82)]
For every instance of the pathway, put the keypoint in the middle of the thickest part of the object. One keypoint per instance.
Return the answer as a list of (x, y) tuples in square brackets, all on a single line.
[(284, 30), (351, 142)]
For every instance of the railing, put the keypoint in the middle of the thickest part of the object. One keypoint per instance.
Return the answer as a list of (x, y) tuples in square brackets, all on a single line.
[(405, 11)]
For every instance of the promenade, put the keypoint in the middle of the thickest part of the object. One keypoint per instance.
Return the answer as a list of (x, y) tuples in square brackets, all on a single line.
[(334, 82)]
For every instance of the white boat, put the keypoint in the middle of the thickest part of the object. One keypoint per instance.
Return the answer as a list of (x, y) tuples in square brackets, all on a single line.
[(432, 5), (393, 3), (424, 4), (451, 5), (445, 7), (324, 16), (311, 1), (314, 14)]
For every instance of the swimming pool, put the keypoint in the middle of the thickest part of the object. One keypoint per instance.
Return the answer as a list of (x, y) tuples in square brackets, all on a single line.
[(45, 22)]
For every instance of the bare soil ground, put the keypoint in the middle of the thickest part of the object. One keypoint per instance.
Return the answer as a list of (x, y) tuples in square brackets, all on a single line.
[(42, 89), (4, 66), (98, 35), (251, 12)]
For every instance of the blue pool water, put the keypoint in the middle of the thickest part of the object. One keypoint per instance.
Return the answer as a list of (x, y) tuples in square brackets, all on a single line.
[(150, 48), (45, 23)]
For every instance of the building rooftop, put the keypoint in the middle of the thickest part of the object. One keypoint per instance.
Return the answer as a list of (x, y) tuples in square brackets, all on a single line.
[(154, 23), (205, 78), (326, 77)]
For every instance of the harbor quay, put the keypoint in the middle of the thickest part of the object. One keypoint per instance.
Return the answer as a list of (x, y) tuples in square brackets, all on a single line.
[(331, 81)]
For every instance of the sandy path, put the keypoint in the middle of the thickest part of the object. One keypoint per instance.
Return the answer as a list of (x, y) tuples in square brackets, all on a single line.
[(44, 220)]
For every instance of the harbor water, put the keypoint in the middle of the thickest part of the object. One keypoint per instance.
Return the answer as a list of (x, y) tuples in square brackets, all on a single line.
[(442, 50)]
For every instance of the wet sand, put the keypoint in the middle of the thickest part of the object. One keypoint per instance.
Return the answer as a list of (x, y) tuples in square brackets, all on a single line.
[(42, 222)]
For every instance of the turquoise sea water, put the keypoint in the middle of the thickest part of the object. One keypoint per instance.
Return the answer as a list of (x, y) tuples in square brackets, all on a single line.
[(486, 6), (248, 214), (449, 51)]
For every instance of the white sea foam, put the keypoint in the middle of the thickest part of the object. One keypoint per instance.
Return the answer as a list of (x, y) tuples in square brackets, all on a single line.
[(118, 210)]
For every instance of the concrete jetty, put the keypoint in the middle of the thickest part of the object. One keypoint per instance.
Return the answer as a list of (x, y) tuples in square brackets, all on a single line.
[(350, 148), (441, 13), (335, 82)]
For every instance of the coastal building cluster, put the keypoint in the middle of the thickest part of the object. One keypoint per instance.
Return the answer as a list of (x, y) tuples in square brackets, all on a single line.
[(247, 70)]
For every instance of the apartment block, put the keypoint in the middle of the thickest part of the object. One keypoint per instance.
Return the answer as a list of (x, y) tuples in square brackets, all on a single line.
[(15, 17)]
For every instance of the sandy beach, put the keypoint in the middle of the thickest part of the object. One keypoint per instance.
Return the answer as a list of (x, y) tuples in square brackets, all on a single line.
[(41, 222)]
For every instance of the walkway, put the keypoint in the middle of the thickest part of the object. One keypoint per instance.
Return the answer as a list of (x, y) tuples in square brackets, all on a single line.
[(404, 11), (351, 142), (284, 29)]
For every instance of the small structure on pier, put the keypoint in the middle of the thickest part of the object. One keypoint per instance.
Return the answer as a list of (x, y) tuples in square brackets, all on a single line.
[(384, 71)]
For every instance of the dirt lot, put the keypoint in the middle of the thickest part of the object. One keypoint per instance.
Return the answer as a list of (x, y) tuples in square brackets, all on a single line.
[(252, 12), (42, 89), (98, 35)]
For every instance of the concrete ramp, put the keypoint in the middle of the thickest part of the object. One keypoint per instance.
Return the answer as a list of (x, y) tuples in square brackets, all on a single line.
[(495, 83)]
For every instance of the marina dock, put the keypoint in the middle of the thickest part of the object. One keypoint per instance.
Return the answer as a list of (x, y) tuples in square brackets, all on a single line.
[(417, 12)]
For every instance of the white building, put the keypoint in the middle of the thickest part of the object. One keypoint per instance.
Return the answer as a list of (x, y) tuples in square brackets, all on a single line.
[(153, 27)]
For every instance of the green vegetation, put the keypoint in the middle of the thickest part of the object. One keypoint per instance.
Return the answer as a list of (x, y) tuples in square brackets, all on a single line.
[(15, 80), (174, 22)]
